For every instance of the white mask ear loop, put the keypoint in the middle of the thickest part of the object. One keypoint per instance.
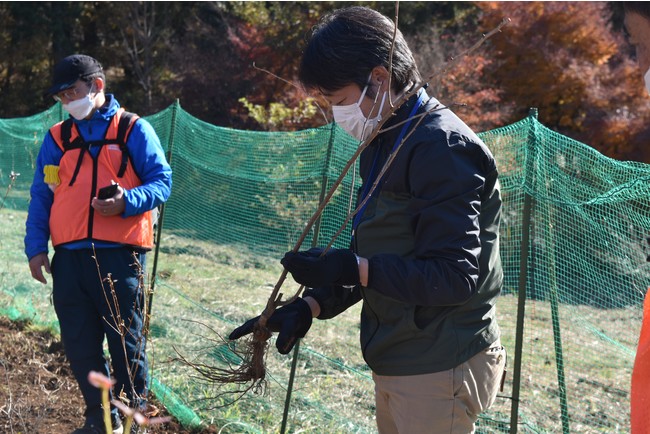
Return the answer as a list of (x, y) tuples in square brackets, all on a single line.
[(374, 103), (381, 106), (372, 123), (363, 93)]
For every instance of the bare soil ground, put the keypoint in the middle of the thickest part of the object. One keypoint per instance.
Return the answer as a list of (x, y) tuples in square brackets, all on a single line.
[(38, 394)]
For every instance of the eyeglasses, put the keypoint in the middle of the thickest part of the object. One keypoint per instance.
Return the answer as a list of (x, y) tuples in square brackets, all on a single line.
[(68, 94)]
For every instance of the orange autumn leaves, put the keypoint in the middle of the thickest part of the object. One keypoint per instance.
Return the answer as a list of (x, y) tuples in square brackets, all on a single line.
[(565, 59)]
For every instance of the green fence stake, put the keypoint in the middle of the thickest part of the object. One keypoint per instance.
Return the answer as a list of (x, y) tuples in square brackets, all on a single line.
[(521, 312), (526, 221), (160, 220), (296, 352)]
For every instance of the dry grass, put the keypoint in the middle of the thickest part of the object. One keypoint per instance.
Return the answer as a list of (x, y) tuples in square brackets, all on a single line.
[(204, 290)]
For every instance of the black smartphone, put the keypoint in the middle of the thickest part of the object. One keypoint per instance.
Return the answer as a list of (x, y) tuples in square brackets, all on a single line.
[(107, 192)]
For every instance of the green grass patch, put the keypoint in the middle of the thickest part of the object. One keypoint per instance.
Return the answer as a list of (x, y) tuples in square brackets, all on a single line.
[(204, 290)]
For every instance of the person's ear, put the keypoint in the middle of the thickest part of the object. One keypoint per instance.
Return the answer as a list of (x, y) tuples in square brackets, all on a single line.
[(380, 77), (99, 84)]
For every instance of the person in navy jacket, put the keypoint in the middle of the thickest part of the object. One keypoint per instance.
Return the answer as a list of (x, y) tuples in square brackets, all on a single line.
[(424, 256)]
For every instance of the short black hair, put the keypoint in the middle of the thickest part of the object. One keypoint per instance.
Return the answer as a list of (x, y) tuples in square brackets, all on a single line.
[(348, 43), (88, 79), (640, 8)]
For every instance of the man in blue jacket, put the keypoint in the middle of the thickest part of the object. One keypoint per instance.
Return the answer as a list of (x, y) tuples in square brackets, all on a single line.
[(424, 257), (99, 177)]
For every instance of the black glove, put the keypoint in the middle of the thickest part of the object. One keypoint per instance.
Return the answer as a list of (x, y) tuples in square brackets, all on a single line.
[(292, 321), (309, 268)]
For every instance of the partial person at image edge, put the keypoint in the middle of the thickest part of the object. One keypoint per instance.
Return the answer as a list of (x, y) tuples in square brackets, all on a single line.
[(637, 24)]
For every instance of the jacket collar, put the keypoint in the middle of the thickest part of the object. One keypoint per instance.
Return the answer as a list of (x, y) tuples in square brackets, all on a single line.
[(109, 108), (400, 115)]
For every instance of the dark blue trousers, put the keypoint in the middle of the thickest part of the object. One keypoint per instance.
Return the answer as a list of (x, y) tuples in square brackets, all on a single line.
[(90, 309)]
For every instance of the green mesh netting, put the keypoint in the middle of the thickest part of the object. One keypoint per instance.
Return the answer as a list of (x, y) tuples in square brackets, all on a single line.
[(570, 312)]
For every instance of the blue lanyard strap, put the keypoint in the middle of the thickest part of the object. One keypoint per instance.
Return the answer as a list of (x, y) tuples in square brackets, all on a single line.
[(370, 181)]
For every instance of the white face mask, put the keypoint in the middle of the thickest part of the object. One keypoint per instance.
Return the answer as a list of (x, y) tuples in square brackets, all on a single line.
[(351, 118), (80, 108), (646, 78)]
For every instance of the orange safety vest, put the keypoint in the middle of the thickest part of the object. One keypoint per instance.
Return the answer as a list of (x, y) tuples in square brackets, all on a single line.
[(81, 176), (640, 393)]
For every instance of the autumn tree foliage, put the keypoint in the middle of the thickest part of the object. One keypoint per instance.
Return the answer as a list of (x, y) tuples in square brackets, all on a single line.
[(270, 36), (460, 78), (231, 63), (564, 59)]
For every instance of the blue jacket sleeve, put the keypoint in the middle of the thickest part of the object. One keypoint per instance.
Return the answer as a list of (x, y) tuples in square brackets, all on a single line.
[(150, 163), (37, 226)]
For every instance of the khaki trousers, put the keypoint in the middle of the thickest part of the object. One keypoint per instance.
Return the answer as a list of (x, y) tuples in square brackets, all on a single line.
[(447, 402)]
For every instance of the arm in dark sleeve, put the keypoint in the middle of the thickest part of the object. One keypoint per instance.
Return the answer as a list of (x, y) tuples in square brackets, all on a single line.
[(333, 300), (446, 182)]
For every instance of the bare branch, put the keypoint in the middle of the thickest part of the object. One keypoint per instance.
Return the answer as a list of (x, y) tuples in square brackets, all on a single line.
[(12, 180), (390, 56), (290, 83), (453, 61)]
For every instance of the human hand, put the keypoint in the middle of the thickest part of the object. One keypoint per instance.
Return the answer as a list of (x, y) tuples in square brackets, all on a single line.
[(292, 321), (113, 205), (36, 265), (313, 269)]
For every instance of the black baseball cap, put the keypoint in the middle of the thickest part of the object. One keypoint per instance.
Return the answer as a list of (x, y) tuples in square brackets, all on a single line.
[(71, 69)]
